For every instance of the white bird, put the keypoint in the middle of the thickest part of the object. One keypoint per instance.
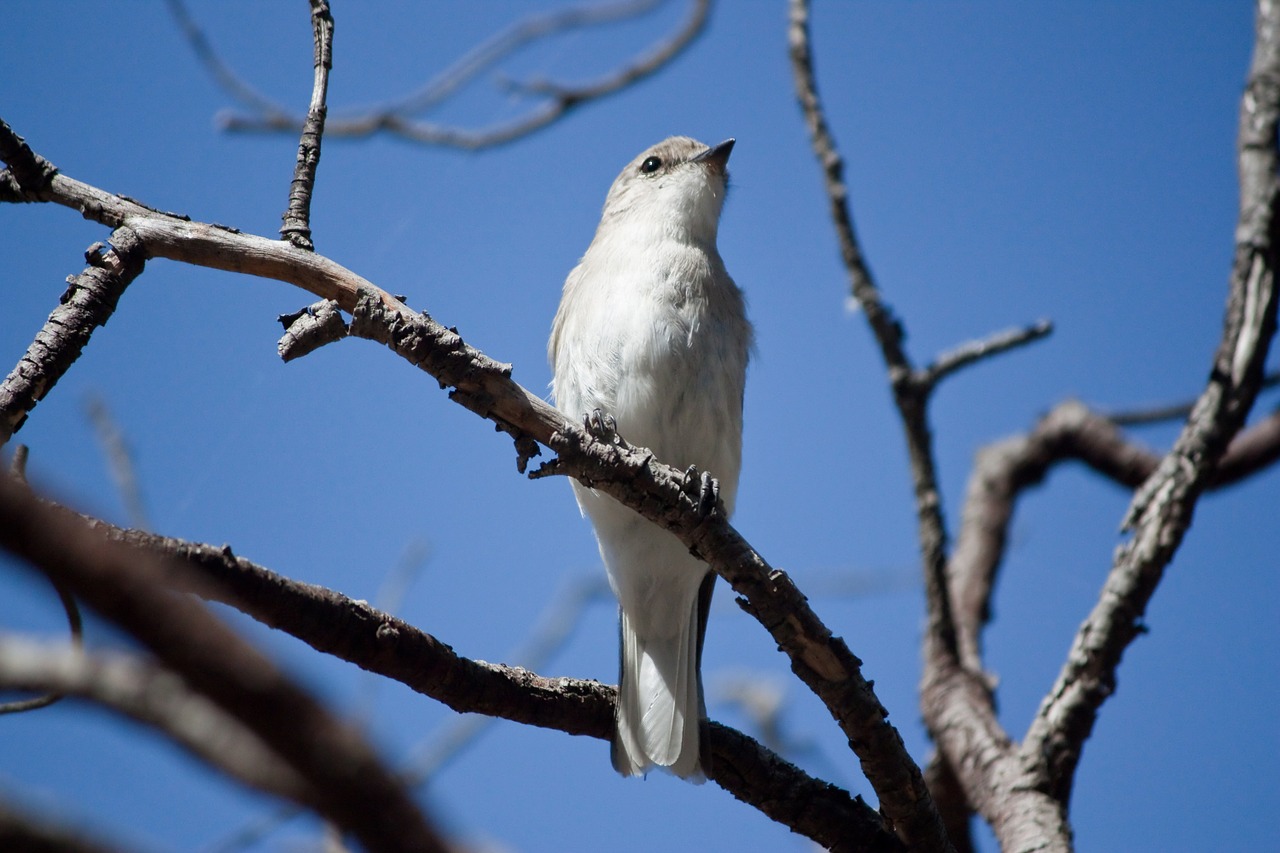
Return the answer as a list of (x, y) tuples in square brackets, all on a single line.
[(652, 332)]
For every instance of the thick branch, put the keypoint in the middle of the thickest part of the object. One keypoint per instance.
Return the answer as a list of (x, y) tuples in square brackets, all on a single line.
[(127, 587), (1162, 509)]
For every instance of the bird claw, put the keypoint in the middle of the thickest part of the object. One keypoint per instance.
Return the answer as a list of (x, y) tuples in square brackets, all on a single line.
[(708, 489), (601, 425)]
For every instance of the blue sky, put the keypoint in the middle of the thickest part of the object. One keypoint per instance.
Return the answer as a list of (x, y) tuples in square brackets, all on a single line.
[(1006, 161)]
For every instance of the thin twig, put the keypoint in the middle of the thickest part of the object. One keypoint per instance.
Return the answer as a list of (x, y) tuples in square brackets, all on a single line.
[(556, 99), (910, 394), (18, 471), (297, 216), (971, 353), (76, 625), (1172, 411), (231, 82), (119, 460)]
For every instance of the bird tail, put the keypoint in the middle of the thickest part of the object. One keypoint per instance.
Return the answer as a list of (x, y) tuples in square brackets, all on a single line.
[(660, 709)]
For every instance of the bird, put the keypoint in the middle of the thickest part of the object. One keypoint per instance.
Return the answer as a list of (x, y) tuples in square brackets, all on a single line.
[(650, 344)]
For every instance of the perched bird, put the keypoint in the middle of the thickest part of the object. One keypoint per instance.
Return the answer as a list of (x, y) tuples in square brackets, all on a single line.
[(652, 339)]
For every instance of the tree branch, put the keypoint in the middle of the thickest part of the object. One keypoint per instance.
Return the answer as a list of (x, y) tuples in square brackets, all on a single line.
[(558, 99), (1162, 509), (972, 352), (385, 645), (41, 835), (297, 217), (88, 303), (127, 587), (157, 698), (910, 393)]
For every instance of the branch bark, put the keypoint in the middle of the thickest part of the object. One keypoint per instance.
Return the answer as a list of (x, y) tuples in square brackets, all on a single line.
[(297, 216), (89, 301)]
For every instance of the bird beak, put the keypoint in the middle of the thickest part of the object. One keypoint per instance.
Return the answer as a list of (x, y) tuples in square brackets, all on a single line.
[(717, 155)]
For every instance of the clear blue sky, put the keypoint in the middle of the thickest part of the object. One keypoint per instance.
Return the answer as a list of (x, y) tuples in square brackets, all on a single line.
[(1007, 161)]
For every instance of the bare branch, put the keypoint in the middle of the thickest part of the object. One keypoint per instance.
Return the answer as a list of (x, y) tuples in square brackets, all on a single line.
[(383, 644), (910, 394), (557, 99), (76, 626), (971, 353), (297, 217), (1002, 471), (1171, 412), (914, 816), (221, 72), (88, 303), (157, 698), (43, 835), (119, 460), (1162, 508), (127, 587)]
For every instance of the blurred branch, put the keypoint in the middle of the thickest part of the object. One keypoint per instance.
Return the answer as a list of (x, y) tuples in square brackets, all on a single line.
[(128, 587), (18, 471), (76, 625), (119, 460), (42, 835), (971, 353), (556, 98), (1004, 470), (631, 475), (297, 216), (1171, 412), (157, 698), (89, 301)]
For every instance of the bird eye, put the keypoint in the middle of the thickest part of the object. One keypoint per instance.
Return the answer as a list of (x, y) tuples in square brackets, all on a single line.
[(651, 164)]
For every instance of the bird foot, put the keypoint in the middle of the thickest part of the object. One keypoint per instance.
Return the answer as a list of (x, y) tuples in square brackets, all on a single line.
[(601, 426), (704, 487)]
